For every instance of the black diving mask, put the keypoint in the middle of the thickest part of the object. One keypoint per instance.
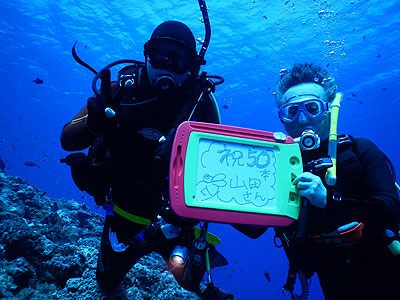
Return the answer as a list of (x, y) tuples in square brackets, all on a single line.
[(170, 55)]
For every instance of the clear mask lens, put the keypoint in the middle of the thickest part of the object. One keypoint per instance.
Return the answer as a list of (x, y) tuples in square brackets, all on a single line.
[(313, 108)]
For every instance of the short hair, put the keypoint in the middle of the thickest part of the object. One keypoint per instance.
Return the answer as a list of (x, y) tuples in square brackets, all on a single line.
[(303, 73)]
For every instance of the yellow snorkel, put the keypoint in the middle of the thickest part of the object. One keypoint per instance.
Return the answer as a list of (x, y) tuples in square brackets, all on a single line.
[(330, 176)]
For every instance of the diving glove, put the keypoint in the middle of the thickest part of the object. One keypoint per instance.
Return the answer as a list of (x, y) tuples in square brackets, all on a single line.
[(97, 121)]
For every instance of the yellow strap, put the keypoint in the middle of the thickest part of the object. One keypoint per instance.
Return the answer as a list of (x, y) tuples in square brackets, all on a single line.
[(130, 217), (211, 238)]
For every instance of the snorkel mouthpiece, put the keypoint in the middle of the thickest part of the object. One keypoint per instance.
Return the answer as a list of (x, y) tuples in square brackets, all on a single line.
[(308, 140)]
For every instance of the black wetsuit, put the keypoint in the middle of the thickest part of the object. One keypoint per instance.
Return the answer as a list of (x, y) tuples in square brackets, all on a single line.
[(138, 182), (367, 270)]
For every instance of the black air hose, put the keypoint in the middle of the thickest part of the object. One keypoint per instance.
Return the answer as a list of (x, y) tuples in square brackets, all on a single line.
[(163, 151)]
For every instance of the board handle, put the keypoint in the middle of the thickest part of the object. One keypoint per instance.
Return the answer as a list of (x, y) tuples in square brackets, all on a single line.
[(177, 166)]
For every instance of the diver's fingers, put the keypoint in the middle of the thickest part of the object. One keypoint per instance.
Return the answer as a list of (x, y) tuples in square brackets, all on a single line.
[(106, 85), (308, 189), (105, 77), (301, 185), (306, 176), (306, 194), (314, 191)]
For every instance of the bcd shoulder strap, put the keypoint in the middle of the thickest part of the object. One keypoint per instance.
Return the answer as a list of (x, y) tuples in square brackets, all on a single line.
[(347, 156)]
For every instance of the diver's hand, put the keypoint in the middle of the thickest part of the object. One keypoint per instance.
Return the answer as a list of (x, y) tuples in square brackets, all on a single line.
[(97, 121), (311, 187)]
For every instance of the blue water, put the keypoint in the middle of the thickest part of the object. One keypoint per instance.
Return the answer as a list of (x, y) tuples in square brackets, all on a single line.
[(358, 42)]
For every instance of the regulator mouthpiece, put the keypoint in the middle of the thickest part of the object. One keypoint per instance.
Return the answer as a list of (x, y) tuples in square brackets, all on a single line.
[(165, 85), (179, 256), (308, 140)]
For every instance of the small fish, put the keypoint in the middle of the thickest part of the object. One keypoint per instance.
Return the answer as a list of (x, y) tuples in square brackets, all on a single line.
[(364, 37), (327, 65), (354, 95), (267, 276), (38, 80), (269, 88), (378, 56), (30, 164), (287, 1), (43, 194), (265, 17), (225, 106), (2, 164), (348, 98), (384, 89), (85, 46), (354, 29), (361, 102)]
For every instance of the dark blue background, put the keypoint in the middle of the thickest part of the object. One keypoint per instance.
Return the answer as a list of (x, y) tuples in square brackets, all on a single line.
[(251, 41)]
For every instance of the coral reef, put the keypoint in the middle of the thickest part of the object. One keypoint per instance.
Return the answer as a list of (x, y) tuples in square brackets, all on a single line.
[(48, 250)]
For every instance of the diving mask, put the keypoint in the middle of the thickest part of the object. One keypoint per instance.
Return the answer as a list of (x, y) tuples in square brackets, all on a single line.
[(170, 55), (311, 107)]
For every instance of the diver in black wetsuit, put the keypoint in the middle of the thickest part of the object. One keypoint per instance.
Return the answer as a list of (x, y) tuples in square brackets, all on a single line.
[(130, 127), (349, 265)]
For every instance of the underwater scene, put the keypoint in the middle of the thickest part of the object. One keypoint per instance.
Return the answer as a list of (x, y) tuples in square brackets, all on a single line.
[(252, 41)]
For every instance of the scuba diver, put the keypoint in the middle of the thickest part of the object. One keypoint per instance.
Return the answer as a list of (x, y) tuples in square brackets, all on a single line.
[(129, 126), (347, 232)]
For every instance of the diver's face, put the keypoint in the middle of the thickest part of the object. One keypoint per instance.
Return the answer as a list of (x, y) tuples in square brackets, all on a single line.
[(172, 78), (303, 118), (168, 64)]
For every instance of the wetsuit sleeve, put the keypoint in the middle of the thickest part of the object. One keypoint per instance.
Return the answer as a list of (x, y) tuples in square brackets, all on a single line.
[(75, 136), (379, 202), (208, 111)]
